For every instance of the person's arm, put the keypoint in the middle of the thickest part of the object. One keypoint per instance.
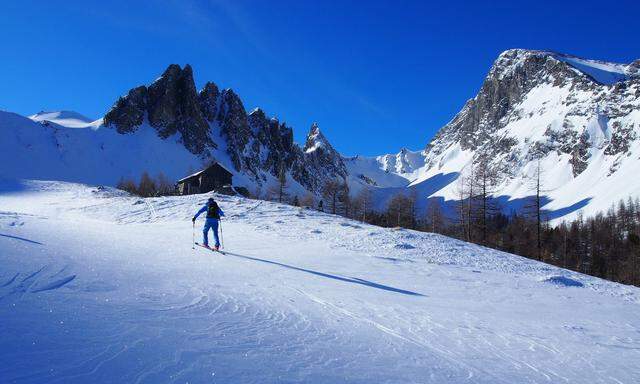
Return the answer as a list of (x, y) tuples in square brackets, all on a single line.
[(199, 212), (220, 212)]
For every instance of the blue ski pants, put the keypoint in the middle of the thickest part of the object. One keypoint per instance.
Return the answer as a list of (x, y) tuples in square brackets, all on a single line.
[(210, 224)]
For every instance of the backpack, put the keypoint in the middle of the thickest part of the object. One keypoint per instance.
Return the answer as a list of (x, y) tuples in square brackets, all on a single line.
[(213, 211)]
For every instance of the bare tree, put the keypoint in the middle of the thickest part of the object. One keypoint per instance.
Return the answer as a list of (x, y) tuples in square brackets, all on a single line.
[(485, 180), (461, 195), (399, 211), (127, 185), (307, 200), (164, 186), (413, 199), (536, 206), (345, 198), (471, 200), (435, 219), (282, 182), (147, 186), (278, 191), (332, 191), (362, 203)]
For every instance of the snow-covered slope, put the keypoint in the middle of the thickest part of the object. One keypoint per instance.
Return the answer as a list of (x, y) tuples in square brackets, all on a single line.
[(579, 118), (68, 119), (97, 286), (96, 154), (170, 127)]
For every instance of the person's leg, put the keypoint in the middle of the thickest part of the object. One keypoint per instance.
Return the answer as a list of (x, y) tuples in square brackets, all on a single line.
[(205, 233), (214, 225)]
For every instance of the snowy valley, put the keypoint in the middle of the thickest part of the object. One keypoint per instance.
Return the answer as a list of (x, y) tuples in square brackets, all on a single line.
[(99, 286)]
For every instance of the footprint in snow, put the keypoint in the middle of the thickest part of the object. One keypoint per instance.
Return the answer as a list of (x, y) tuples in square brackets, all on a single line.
[(99, 286), (404, 246), (11, 280), (59, 283), (316, 231), (563, 281)]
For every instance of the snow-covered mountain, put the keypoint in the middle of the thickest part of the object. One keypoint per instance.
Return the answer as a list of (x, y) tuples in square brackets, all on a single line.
[(167, 127), (69, 119), (579, 119)]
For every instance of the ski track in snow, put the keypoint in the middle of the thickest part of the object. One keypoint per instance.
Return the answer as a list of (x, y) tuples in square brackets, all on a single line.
[(98, 286)]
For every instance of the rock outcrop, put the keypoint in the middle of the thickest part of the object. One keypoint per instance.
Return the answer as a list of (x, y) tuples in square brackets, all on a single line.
[(578, 103), (256, 145)]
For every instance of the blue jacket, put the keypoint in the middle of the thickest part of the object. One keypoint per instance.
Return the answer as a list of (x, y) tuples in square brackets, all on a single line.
[(205, 209)]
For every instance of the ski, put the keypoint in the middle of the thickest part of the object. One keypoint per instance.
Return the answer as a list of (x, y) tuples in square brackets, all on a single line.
[(211, 249)]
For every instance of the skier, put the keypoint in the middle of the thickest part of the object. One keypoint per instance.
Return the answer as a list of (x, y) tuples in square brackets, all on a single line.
[(213, 216)]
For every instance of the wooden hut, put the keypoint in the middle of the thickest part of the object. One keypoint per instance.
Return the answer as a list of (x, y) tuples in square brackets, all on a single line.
[(211, 178)]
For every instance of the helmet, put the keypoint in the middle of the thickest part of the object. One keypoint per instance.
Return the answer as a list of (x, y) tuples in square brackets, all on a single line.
[(210, 201)]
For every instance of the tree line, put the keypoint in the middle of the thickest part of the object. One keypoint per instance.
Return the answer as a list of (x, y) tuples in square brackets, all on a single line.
[(148, 186), (606, 245)]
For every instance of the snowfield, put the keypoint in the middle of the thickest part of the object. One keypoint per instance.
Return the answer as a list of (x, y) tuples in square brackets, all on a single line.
[(98, 286)]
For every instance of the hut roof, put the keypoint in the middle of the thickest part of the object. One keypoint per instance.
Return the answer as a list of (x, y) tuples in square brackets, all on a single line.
[(201, 171)]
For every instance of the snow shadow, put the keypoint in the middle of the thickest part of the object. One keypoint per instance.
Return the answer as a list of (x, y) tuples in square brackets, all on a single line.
[(21, 238), (353, 280), (11, 186), (563, 281), (510, 206), (435, 183), (424, 188), (520, 205)]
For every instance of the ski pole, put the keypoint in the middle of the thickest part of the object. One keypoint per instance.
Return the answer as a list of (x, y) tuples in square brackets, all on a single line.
[(221, 237), (193, 235)]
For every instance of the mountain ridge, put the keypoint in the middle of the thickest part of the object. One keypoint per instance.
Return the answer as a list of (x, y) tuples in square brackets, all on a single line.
[(577, 117)]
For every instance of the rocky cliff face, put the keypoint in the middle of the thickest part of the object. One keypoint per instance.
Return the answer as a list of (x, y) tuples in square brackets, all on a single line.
[(322, 162), (533, 103), (578, 120), (170, 104), (257, 146)]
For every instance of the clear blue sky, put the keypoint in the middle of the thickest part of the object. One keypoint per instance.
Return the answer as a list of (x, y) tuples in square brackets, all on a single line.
[(376, 76)]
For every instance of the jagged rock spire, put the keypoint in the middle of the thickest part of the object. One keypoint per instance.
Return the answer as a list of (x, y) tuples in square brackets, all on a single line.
[(256, 145), (171, 105)]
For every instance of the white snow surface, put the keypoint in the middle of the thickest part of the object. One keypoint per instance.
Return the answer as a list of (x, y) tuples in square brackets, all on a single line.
[(601, 71), (68, 119), (98, 286), (96, 154)]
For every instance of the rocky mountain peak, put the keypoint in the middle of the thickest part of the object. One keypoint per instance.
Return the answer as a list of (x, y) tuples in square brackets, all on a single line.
[(258, 114), (208, 98), (539, 104), (170, 104), (256, 145), (315, 139), (129, 111)]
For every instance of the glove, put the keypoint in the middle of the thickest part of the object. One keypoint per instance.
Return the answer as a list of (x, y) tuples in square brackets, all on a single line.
[(193, 220)]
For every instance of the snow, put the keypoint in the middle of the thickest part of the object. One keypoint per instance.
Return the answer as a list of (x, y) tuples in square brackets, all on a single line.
[(96, 155), (600, 71), (98, 286), (69, 119), (603, 72), (546, 109)]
